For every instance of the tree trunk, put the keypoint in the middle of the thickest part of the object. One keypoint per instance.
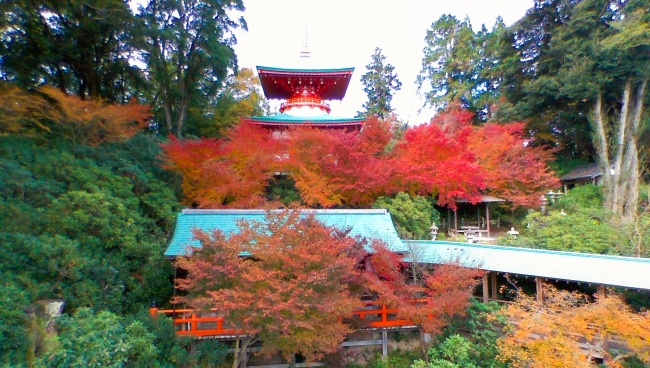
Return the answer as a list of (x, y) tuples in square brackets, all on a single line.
[(167, 107), (182, 114), (235, 358), (423, 346), (240, 358), (618, 156)]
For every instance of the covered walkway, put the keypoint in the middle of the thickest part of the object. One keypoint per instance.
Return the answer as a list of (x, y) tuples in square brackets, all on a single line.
[(627, 272)]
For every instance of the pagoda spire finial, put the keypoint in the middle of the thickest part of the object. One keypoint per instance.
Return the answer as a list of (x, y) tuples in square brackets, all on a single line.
[(305, 48)]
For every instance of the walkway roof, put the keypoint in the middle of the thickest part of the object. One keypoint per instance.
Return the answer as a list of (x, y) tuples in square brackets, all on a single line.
[(375, 224), (626, 272)]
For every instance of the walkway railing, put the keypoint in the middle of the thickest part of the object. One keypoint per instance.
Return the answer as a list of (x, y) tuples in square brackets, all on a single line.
[(191, 323)]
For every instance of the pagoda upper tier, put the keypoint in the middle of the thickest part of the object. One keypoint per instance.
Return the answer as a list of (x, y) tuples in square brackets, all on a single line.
[(304, 87)]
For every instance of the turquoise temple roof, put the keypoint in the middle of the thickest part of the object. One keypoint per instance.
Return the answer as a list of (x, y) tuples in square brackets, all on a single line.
[(371, 224)]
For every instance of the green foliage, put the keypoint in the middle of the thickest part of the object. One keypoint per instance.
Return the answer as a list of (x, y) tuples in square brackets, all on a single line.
[(582, 231), (282, 188), (454, 351), (14, 346), (396, 359), (189, 53), (85, 225), (577, 223), (101, 339), (95, 225), (582, 197), (478, 349), (240, 97), (77, 46), (412, 216)]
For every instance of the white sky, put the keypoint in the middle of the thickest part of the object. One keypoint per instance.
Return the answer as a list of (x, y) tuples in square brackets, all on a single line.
[(344, 33)]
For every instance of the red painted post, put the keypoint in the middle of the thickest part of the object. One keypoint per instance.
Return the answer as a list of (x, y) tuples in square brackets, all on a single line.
[(383, 313), (153, 310)]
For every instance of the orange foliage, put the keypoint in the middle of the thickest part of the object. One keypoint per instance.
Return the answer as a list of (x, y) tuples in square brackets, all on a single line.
[(547, 335), (231, 172), (84, 122), (333, 167), (447, 158), (293, 292), (514, 169)]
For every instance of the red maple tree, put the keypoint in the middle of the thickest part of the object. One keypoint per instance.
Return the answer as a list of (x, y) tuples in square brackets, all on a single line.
[(514, 169), (433, 295), (447, 158), (229, 172), (334, 167), (292, 291), (434, 159)]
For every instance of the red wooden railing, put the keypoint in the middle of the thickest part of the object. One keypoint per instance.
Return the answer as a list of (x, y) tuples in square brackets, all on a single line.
[(188, 322), (381, 317)]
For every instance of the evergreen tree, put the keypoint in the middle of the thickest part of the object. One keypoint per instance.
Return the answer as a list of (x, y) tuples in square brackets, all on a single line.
[(189, 54), (380, 83), (82, 47), (460, 65)]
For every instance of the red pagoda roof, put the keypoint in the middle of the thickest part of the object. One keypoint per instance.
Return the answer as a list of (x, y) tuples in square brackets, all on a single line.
[(282, 84)]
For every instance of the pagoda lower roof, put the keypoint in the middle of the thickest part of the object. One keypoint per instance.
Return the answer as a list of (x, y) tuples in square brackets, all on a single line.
[(329, 84), (293, 120)]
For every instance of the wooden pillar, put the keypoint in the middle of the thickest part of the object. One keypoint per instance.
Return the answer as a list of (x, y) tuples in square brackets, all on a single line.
[(448, 219), (495, 290), (384, 344), (486, 297), (478, 216), (487, 218), (456, 222), (539, 283), (602, 291)]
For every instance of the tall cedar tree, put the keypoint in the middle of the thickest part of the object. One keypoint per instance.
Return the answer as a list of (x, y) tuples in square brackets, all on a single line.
[(438, 293), (578, 70), (550, 334), (459, 65), (291, 293), (380, 83)]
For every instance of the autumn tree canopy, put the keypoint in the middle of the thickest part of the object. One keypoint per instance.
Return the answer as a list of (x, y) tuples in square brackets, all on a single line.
[(447, 158), (547, 334), (51, 112), (292, 292)]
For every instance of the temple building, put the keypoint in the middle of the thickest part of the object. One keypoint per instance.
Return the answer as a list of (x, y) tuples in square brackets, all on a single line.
[(304, 94)]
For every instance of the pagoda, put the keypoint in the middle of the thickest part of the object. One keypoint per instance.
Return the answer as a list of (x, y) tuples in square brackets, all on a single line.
[(304, 93)]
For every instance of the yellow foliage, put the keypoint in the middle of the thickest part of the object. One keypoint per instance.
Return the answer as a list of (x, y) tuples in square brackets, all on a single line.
[(567, 329), (84, 122)]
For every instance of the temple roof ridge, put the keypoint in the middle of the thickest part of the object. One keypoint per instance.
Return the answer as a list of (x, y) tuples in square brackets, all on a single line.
[(304, 69)]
